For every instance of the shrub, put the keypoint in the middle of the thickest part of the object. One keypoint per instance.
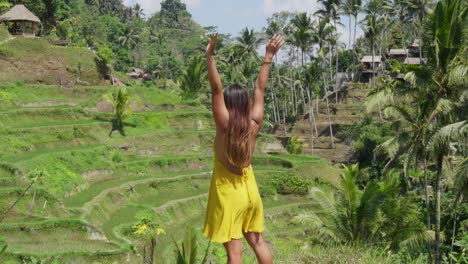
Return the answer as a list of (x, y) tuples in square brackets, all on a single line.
[(117, 157), (103, 60), (291, 184), (294, 145)]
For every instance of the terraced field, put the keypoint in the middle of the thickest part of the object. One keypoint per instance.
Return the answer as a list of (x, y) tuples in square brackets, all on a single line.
[(94, 187)]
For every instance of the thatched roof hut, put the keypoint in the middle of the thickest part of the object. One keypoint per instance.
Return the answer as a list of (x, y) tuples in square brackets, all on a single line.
[(414, 61), (19, 15), (397, 52), (368, 59)]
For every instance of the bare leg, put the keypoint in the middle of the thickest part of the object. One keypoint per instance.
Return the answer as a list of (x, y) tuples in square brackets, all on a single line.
[(260, 247), (234, 251)]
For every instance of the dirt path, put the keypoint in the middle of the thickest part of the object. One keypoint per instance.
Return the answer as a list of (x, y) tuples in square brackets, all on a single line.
[(7, 40), (182, 200)]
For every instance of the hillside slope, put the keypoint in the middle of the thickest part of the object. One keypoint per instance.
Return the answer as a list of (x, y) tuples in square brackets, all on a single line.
[(94, 187), (342, 114), (33, 60)]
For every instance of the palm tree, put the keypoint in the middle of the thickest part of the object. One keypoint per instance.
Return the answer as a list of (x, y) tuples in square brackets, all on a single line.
[(248, 42), (322, 36), (371, 31), (329, 11), (138, 11), (351, 8), (418, 10), (193, 78), (347, 214), (439, 147), (121, 101), (274, 27), (302, 32), (445, 35), (129, 38)]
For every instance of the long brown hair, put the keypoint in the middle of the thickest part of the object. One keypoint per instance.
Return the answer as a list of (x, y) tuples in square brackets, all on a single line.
[(237, 144)]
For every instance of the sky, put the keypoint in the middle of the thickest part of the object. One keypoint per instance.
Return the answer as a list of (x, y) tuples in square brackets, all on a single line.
[(232, 16)]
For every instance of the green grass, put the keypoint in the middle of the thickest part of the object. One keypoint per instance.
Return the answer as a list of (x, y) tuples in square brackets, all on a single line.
[(4, 34), (85, 196), (167, 147)]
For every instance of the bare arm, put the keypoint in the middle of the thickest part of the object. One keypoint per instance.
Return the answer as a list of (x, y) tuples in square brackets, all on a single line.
[(220, 112), (273, 45)]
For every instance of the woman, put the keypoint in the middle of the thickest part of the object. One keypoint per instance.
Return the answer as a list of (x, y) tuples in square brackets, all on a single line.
[(234, 208)]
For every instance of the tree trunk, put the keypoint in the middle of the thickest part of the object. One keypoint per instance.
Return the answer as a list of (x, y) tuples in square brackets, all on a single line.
[(406, 166), (317, 104), (354, 45), (152, 248), (272, 91), (373, 79), (274, 108), (328, 113), (440, 159), (312, 121), (454, 231), (427, 201), (349, 39), (336, 73), (284, 119)]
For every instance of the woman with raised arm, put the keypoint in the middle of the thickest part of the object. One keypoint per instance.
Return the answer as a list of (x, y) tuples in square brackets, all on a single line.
[(235, 208)]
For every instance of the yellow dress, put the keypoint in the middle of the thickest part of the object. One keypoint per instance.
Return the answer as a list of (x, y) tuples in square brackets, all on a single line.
[(234, 204)]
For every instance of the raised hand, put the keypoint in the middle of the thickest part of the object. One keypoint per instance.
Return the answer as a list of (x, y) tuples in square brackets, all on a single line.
[(211, 45), (273, 45)]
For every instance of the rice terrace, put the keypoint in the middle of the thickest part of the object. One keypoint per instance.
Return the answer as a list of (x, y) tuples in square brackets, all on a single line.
[(107, 129)]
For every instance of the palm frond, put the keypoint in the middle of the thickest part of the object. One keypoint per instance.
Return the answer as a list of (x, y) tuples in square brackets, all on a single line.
[(418, 239), (461, 179), (398, 111), (443, 106), (440, 141), (389, 147)]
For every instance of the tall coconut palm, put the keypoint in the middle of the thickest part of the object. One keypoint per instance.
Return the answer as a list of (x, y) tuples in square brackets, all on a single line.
[(371, 33), (322, 36), (274, 27), (351, 8), (439, 147), (249, 42), (330, 11), (138, 11), (419, 9), (445, 35), (302, 33)]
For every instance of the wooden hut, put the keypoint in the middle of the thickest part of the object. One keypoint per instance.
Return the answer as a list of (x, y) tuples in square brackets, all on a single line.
[(369, 67), (398, 54), (20, 16)]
